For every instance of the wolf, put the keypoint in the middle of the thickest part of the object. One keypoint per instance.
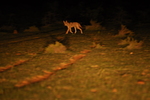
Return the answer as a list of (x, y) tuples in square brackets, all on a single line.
[(70, 25)]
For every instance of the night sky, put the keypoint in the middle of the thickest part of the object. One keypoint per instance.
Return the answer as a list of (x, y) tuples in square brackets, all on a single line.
[(77, 9), (12, 5)]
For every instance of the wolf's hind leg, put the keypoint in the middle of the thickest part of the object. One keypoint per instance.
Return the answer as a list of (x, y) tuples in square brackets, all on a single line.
[(75, 30)]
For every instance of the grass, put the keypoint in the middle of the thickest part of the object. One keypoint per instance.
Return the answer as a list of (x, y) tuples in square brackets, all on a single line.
[(109, 73)]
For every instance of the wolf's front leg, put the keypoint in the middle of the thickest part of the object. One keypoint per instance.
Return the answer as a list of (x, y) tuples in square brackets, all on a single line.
[(81, 31), (70, 30), (67, 31)]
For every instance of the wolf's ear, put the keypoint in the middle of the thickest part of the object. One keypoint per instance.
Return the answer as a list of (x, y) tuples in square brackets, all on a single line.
[(64, 21)]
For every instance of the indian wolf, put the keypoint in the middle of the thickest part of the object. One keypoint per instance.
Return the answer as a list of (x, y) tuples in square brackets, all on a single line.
[(70, 25)]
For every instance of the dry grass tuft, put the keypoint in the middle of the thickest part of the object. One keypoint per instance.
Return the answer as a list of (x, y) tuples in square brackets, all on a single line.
[(97, 46), (94, 26), (55, 48), (125, 41), (134, 45), (32, 29), (124, 31), (131, 43)]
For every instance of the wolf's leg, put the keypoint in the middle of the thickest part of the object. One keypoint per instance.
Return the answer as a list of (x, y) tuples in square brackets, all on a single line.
[(70, 30), (80, 30), (75, 30), (67, 31)]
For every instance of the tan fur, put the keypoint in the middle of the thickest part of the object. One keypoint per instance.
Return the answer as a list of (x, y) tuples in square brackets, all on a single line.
[(70, 25)]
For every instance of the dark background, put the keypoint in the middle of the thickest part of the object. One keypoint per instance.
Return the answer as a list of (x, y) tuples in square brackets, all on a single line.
[(108, 12)]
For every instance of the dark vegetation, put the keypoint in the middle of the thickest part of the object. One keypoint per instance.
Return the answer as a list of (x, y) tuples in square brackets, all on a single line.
[(111, 15)]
